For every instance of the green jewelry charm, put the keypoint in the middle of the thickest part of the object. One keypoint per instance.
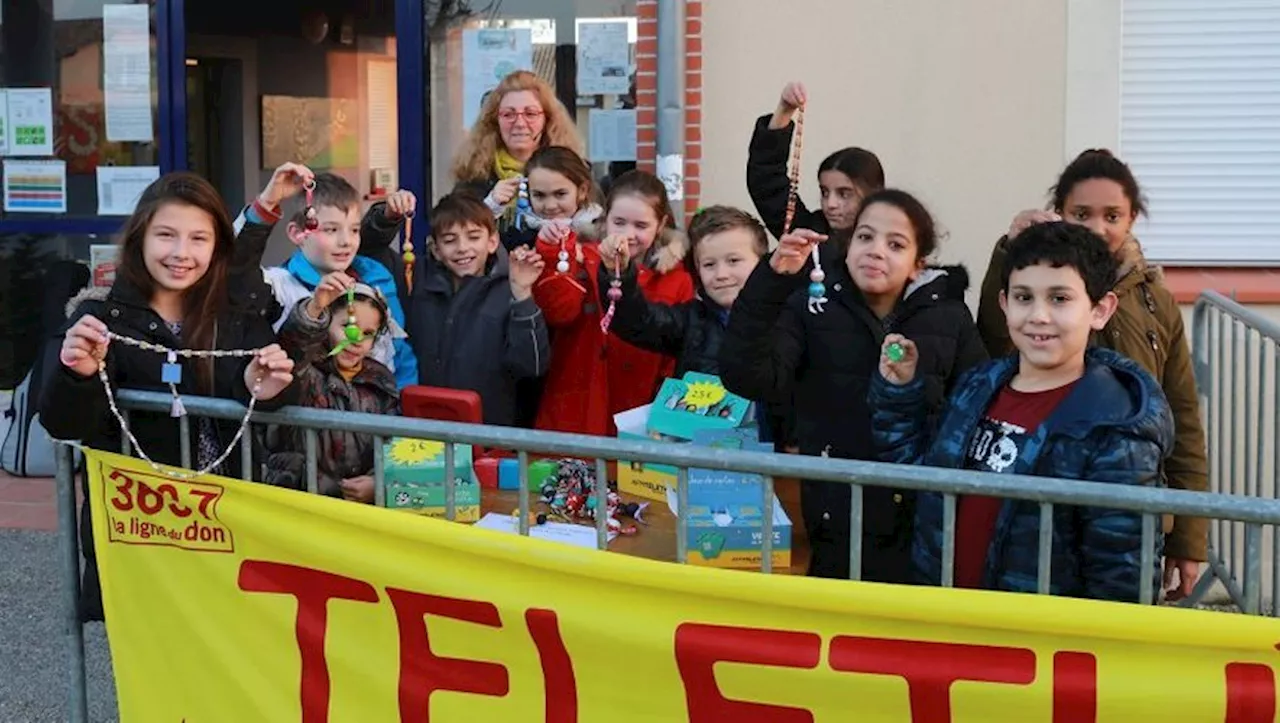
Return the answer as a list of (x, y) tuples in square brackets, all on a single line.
[(895, 352), (352, 330)]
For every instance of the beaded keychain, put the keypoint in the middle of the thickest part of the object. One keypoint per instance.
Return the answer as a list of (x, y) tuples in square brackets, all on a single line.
[(817, 289), (522, 205), (614, 294), (171, 372), (311, 220), (562, 264), (406, 247), (351, 333)]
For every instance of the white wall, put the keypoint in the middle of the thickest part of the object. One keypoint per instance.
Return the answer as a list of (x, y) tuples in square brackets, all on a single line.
[(964, 102)]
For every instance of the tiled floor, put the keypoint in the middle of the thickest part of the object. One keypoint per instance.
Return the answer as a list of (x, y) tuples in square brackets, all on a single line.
[(27, 503)]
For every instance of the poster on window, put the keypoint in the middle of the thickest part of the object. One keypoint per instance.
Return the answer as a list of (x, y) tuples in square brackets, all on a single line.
[(604, 58), (35, 186), (126, 72), (488, 56), (30, 123)]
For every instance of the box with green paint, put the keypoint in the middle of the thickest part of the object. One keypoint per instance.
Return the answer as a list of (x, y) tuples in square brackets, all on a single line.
[(413, 472)]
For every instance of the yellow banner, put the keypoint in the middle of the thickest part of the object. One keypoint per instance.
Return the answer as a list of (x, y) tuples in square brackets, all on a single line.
[(230, 601)]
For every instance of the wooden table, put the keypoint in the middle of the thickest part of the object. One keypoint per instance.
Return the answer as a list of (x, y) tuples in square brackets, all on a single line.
[(656, 540)]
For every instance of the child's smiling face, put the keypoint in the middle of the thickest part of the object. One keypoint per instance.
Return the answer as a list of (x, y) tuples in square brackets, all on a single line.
[(552, 195), (883, 255), (332, 246), (369, 319), (464, 249)]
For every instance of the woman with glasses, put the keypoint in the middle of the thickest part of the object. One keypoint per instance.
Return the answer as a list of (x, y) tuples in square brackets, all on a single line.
[(519, 116)]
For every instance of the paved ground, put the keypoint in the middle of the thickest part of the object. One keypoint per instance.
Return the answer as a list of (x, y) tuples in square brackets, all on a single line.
[(33, 687)]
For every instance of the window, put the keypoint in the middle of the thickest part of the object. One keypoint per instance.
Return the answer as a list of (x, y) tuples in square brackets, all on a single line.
[(1200, 126), (96, 101)]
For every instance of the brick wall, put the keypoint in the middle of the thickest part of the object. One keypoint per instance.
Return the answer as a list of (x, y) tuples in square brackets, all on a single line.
[(646, 94)]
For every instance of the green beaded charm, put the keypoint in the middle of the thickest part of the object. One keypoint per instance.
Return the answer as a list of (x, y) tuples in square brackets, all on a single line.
[(895, 352)]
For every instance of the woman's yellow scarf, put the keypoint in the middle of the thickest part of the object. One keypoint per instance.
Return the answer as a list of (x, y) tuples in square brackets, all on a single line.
[(507, 166)]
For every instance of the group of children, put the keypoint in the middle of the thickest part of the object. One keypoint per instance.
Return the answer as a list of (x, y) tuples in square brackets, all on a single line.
[(610, 298)]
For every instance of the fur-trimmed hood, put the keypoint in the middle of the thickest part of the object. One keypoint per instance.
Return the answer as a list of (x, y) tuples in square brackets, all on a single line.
[(90, 293), (668, 251)]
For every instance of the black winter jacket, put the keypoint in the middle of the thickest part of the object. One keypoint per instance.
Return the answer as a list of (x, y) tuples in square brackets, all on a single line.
[(691, 331), (478, 337), (822, 364), (74, 407)]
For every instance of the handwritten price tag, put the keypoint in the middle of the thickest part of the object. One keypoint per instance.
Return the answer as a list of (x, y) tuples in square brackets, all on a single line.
[(147, 509), (704, 394)]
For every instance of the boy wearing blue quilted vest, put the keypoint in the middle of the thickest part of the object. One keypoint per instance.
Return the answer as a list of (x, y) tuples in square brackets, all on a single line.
[(1057, 408)]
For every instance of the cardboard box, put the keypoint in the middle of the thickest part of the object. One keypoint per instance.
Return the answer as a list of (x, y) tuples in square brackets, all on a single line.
[(682, 408), (715, 541), (414, 475), (650, 481)]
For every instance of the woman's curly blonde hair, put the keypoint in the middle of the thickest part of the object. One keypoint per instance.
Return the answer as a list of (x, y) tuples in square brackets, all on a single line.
[(475, 159)]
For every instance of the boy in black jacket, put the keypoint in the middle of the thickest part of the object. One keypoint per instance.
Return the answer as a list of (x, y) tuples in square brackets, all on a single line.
[(471, 317), (727, 245)]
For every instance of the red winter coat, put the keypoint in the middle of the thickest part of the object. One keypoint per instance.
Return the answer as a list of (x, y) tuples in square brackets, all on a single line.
[(593, 377)]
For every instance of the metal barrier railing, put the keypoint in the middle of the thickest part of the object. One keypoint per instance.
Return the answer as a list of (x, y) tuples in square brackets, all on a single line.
[(1236, 353), (1251, 513)]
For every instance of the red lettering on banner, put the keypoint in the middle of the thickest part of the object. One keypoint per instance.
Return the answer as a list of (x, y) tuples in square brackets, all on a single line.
[(559, 685), (699, 647), (313, 590), (930, 668), (1075, 687), (422, 672), (1251, 693)]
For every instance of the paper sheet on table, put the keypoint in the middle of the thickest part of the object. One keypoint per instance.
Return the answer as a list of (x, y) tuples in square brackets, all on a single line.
[(119, 187), (576, 535)]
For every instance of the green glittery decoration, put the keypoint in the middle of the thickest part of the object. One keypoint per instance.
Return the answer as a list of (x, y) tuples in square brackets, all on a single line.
[(352, 330), (895, 352)]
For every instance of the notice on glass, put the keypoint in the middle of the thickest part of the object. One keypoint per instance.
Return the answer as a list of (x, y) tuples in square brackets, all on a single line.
[(126, 72), (671, 172), (604, 57), (102, 263), (120, 187), (30, 123), (612, 135), (488, 56), (35, 186), (4, 122)]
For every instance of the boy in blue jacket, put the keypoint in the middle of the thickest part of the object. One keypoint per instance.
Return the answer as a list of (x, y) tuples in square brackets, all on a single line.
[(1056, 409), (331, 246)]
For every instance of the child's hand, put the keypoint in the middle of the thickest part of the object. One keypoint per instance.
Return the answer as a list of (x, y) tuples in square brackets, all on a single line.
[(400, 204), (274, 367), (327, 291), (793, 96), (902, 371), (358, 489), (525, 269), (1029, 218), (794, 249), (553, 233), (83, 345), (504, 191), (615, 251), (285, 182)]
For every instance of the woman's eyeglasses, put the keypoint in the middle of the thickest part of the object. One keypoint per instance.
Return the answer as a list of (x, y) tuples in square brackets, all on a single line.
[(509, 115)]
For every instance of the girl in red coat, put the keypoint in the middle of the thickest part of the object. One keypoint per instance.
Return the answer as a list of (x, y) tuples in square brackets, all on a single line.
[(594, 376)]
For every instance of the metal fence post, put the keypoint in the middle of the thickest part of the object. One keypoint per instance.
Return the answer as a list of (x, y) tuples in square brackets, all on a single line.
[(69, 549)]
